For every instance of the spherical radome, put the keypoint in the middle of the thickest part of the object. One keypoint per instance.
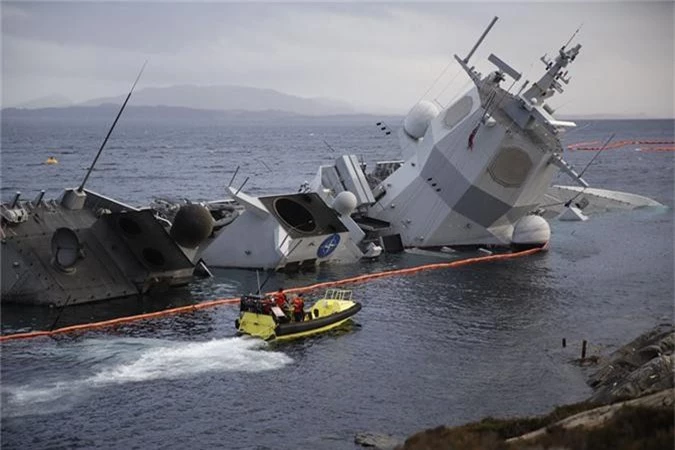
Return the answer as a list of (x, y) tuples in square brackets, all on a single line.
[(417, 121), (344, 203), (533, 231), (192, 225)]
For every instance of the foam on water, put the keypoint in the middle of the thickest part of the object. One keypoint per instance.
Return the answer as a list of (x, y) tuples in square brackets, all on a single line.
[(128, 360)]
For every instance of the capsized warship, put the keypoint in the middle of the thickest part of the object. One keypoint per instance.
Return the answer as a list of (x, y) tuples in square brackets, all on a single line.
[(294, 231), (85, 247), (477, 173)]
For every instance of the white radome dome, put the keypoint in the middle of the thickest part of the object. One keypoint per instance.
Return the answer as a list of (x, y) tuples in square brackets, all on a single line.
[(531, 231), (344, 203), (417, 121)]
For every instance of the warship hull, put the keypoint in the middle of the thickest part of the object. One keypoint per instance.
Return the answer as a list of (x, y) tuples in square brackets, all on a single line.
[(463, 187), (283, 232), (53, 255)]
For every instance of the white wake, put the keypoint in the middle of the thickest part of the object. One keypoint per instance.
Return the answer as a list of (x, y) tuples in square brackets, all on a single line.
[(128, 360)]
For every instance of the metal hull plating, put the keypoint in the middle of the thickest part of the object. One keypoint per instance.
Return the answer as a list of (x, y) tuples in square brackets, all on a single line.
[(462, 187), (288, 232), (86, 247), (471, 172), (59, 256)]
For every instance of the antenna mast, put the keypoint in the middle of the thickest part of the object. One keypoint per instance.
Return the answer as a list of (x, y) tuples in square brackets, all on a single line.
[(480, 40), (86, 177)]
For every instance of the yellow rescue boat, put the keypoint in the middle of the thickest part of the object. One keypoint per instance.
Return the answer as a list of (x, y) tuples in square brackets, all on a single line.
[(260, 317)]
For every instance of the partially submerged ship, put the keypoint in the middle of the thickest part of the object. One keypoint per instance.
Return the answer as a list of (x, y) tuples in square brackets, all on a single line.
[(85, 247), (477, 172), (286, 232)]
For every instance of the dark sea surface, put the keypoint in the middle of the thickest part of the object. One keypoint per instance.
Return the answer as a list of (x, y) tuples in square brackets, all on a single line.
[(439, 347)]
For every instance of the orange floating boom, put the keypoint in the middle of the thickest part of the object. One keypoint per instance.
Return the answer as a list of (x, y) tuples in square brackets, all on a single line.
[(592, 146), (232, 301)]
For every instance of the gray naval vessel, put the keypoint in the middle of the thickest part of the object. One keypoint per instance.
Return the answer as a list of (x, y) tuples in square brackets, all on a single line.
[(85, 247)]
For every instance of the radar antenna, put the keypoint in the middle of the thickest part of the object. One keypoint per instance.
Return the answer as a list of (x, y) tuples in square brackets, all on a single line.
[(574, 34), (464, 62)]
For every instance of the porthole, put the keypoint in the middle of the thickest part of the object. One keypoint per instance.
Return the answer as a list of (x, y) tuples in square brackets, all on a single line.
[(153, 257), (129, 226)]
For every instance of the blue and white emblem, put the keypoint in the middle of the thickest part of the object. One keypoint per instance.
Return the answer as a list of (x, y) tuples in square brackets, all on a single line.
[(328, 246)]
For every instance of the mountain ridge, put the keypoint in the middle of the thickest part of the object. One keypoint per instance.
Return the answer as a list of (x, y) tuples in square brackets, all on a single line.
[(176, 114), (229, 97)]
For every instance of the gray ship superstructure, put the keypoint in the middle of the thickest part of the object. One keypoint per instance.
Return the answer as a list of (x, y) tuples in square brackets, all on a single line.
[(477, 173), (287, 232), (85, 247), (473, 173)]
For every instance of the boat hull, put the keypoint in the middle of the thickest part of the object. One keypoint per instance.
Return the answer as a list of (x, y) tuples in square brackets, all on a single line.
[(326, 315), (301, 329)]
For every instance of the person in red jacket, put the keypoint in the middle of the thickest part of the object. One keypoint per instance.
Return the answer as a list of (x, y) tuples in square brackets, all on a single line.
[(299, 308), (281, 299), (267, 303)]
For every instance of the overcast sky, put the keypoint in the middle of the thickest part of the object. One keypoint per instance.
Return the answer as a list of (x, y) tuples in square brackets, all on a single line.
[(378, 57)]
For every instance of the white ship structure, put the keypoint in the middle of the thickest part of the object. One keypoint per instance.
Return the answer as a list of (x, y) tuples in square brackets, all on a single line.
[(287, 231), (477, 173)]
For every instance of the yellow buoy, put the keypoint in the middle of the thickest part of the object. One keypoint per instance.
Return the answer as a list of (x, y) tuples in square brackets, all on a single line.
[(52, 160)]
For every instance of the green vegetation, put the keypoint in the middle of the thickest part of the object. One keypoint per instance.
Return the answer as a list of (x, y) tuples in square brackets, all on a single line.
[(631, 428), (508, 428)]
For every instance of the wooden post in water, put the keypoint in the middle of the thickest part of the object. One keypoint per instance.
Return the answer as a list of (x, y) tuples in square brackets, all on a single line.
[(564, 343), (583, 349)]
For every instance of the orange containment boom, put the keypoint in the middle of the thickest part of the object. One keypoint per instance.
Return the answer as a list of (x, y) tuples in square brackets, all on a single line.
[(595, 145), (233, 301)]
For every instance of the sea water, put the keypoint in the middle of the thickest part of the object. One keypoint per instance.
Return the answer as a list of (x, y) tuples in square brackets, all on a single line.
[(437, 347)]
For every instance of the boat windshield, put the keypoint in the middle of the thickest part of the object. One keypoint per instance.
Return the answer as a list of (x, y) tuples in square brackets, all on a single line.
[(338, 294), (256, 303)]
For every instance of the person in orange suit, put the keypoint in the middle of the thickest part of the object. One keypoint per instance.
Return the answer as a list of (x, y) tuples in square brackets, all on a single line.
[(299, 308)]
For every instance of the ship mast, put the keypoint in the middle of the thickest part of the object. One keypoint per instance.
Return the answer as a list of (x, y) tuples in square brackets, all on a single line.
[(527, 109), (555, 73), (86, 177)]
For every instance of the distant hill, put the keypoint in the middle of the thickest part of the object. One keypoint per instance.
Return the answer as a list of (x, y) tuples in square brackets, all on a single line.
[(171, 114), (227, 98), (109, 110), (48, 101)]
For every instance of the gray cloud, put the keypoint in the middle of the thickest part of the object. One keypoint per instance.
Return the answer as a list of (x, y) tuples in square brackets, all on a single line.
[(379, 57)]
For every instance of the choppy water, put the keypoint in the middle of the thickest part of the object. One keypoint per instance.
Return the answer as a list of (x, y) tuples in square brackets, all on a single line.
[(440, 347)]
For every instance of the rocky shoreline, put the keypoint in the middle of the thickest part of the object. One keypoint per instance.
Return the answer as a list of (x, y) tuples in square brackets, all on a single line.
[(631, 407)]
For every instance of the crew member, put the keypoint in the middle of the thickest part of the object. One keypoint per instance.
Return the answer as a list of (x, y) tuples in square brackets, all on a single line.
[(299, 308), (267, 303), (281, 298)]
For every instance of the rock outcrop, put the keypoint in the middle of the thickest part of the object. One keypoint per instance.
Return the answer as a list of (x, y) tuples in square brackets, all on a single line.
[(632, 407), (641, 367), (377, 441), (598, 417)]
